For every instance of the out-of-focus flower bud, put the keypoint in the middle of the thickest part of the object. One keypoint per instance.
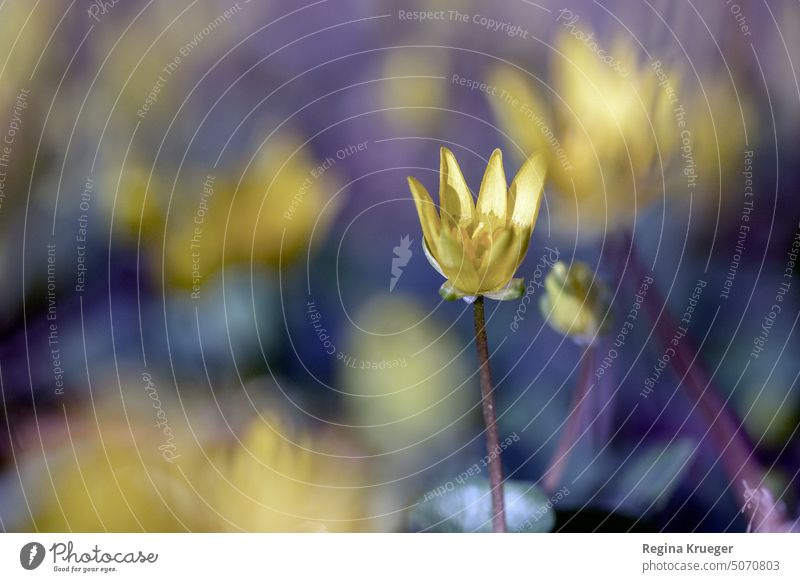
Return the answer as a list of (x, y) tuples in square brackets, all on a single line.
[(576, 303)]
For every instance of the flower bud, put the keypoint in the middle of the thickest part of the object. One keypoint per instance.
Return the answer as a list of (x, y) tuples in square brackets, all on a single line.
[(576, 302)]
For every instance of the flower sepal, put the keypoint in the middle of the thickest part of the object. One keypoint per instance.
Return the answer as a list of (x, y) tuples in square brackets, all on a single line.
[(450, 292), (513, 290)]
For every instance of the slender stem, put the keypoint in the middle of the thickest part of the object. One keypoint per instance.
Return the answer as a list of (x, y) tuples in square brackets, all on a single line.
[(490, 418), (577, 415)]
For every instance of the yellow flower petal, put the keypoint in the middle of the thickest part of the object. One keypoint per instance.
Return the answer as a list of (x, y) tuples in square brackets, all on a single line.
[(455, 199), (431, 259), (498, 262), (426, 210), (522, 238), (494, 191), (526, 192), (456, 259), (451, 246)]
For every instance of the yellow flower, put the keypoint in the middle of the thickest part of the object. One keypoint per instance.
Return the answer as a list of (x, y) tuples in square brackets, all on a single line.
[(122, 473), (400, 396), (478, 248), (607, 132), (284, 204), (157, 470), (576, 302), (279, 482), (726, 121), (119, 486), (136, 195), (24, 30)]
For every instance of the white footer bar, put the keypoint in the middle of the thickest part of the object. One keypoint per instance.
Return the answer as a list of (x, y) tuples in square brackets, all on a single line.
[(369, 557)]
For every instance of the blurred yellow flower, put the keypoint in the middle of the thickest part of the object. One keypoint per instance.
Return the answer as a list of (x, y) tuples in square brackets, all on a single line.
[(25, 77), (24, 29), (478, 248), (606, 138), (283, 202), (286, 197), (110, 487), (277, 483), (412, 90), (146, 63), (137, 196), (408, 383), (726, 120), (115, 475), (575, 302)]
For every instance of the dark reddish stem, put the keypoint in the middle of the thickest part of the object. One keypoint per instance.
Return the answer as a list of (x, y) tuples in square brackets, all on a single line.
[(575, 420), (735, 450), (490, 419)]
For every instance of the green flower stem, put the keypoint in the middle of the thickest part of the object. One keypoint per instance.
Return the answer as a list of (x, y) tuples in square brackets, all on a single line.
[(490, 418), (575, 420)]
